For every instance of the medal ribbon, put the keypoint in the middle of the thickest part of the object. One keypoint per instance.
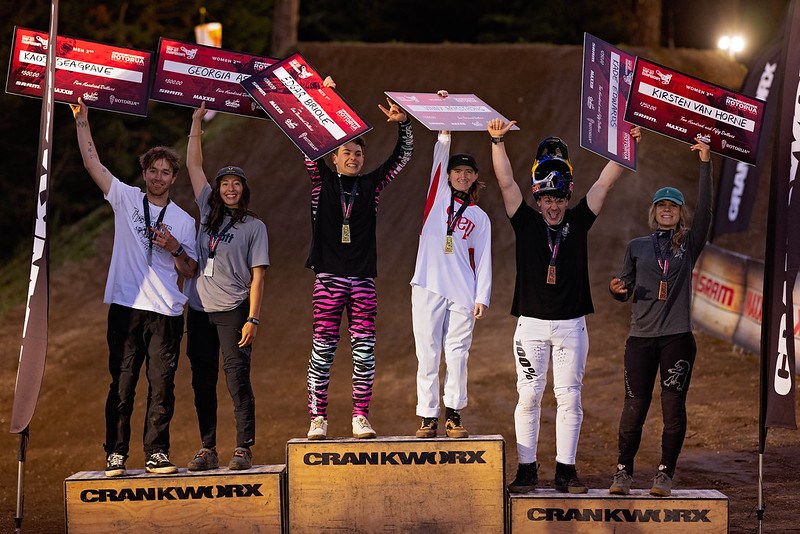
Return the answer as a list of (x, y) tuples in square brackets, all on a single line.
[(159, 220), (553, 247), (663, 263), (347, 205), (453, 221), (214, 239)]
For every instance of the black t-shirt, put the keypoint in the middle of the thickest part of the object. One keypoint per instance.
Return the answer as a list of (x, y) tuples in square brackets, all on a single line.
[(329, 254), (359, 257), (570, 297)]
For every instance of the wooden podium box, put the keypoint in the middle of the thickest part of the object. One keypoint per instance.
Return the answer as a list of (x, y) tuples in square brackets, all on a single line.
[(396, 484), (686, 511), (218, 500)]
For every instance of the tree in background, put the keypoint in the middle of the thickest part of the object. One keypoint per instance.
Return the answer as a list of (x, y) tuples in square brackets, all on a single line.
[(647, 29)]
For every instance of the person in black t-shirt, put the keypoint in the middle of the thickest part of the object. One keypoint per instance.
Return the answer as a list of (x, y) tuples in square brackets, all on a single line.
[(551, 298)]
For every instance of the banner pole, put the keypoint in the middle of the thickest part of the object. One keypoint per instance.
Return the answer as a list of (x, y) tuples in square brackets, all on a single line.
[(23, 449)]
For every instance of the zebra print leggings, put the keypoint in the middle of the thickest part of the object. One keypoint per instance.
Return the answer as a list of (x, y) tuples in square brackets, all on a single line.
[(332, 295)]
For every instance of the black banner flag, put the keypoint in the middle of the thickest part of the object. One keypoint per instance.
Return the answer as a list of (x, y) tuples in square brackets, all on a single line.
[(782, 254), (738, 181)]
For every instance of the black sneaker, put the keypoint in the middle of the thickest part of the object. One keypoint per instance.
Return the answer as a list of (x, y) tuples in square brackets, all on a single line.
[(204, 459), (621, 484), (428, 427), (115, 464), (158, 462), (662, 484), (526, 479), (242, 459), (567, 479), (452, 425)]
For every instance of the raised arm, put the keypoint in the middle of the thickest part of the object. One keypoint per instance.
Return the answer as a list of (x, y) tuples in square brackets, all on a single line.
[(395, 113), (596, 196), (703, 211), (194, 152), (91, 160), (512, 194)]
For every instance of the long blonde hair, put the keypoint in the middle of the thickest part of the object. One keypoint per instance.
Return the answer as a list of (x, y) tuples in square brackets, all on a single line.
[(681, 229)]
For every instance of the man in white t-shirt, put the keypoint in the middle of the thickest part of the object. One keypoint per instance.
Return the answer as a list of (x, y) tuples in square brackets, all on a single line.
[(153, 246)]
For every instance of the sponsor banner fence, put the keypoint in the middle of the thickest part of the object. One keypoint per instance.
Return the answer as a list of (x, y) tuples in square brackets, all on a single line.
[(728, 296), (457, 112), (316, 118), (104, 76), (606, 87), (189, 74), (681, 106)]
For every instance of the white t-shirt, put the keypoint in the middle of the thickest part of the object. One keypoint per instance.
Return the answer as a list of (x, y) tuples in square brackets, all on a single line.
[(131, 281), (465, 276)]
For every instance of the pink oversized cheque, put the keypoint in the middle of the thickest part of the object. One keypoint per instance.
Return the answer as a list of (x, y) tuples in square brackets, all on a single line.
[(314, 117), (456, 112), (681, 106), (188, 74), (104, 76)]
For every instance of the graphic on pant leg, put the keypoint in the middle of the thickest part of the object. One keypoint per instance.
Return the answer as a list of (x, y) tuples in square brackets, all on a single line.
[(327, 301), (628, 392), (678, 375), (524, 362), (361, 318)]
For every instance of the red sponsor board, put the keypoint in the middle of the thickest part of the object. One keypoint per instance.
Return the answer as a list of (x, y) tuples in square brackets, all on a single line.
[(104, 76), (188, 74), (681, 106), (315, 118)]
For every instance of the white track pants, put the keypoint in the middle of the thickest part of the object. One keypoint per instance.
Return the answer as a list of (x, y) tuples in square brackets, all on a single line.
[(535, 343), (440, 324)]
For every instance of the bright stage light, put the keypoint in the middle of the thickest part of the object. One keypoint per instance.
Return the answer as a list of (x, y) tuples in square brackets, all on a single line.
[(733, 44)]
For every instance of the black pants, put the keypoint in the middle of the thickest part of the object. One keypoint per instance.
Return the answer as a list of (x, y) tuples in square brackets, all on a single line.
[(136, 337), (206, 334), (674, 357)]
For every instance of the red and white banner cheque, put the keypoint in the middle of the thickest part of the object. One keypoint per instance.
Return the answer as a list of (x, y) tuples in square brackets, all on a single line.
[(316, 118), (104, 76)]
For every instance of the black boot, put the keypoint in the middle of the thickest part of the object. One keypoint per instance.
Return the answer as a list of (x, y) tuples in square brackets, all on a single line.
[(567, 479), (525, 480)]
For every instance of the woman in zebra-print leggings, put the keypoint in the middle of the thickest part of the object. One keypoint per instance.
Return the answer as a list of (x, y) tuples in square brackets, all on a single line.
[(344, 205)]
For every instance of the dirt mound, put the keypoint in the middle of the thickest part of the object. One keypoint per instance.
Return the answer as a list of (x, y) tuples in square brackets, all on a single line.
[(537, 85)]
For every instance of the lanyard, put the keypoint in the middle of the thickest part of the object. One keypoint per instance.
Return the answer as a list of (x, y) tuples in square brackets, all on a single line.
[(146, 210), (453, 221), (553, 247), (347, 205), (551, 268), (663, 263), (214, 239)]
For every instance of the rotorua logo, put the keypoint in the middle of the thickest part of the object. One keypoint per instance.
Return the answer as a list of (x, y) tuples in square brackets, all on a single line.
[(394, 458)]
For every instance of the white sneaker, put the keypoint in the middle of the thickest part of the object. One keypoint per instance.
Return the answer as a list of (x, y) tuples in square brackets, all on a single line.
[(318, 428), (361, 428)]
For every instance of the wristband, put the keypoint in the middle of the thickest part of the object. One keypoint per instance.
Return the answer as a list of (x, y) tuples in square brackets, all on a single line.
[(179, 251), (497, 140), (253, 320)]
